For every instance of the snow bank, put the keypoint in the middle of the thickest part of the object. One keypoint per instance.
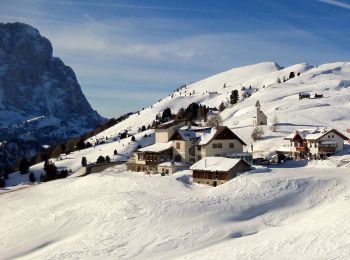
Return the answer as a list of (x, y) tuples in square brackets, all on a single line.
[(294, 213)]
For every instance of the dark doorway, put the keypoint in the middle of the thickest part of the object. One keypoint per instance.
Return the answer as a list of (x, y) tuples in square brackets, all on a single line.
[(215, 184)]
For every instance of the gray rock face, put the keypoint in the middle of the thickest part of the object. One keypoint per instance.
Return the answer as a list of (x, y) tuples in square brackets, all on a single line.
[(41, 101), (33, 83)]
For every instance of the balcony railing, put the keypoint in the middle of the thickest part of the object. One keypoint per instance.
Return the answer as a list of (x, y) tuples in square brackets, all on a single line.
[(301, 149), (327, 149)]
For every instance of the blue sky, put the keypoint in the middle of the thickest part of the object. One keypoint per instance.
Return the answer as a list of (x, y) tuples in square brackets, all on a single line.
[(128, 54)]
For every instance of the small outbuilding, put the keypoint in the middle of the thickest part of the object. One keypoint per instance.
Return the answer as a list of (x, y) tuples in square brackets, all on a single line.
[(218, 170)]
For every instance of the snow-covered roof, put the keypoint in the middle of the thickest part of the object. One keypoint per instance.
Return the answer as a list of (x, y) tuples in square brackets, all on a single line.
[(172, 164), (157, 147), (221, 164), (202, 135), (312, 134), (239, 154)]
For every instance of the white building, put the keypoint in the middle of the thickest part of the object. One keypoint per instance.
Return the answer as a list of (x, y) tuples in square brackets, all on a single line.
[(260, 118)]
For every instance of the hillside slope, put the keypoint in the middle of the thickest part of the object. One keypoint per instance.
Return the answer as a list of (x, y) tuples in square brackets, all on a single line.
[(277, 99)]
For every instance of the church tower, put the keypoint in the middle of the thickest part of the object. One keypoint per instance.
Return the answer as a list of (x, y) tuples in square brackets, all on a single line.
[(260, 118)]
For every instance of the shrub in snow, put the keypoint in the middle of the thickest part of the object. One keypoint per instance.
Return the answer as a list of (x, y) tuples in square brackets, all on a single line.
[(115, 152), (108, 159), (100, 159), (133, 138)]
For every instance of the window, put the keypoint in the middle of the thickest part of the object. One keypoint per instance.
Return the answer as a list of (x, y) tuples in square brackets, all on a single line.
[(177, 145), (215, 175), (215, 146), (192, 151), (219, 145), (199, 147), (332, 136), (329, 136), (177, 158), (140, 156), (232, 145)]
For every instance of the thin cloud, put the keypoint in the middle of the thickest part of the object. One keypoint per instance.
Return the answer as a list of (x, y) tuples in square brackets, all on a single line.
[(133, 6), (336, 3)]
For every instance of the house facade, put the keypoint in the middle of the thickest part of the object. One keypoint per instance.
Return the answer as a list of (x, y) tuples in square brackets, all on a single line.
[(315, 144), (180, 145), (218, 170)]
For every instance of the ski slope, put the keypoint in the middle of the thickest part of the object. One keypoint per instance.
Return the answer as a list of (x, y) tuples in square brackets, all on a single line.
[(294, 212)]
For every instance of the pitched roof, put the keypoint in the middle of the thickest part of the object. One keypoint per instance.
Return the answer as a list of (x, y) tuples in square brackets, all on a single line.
[(203, 135), (221, 130), (318, 136), (156, 148), (221, 164), (313, 135), (174, 122), (169, 124)]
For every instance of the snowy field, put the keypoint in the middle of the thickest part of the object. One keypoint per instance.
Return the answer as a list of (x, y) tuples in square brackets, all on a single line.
[(294, 212)]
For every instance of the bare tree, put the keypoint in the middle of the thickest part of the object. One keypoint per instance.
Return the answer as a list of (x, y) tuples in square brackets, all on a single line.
[(214, 120), (257, 133), (275, 124)]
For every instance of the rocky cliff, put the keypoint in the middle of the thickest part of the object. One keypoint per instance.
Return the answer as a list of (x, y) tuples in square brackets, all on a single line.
[(40, 97)]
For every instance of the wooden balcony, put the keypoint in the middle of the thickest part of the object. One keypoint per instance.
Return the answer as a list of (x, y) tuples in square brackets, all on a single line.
[(301, 149), (327, 149)]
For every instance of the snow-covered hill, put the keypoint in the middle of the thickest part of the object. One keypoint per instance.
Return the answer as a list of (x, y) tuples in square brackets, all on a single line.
[(288, 213), (277, 99)]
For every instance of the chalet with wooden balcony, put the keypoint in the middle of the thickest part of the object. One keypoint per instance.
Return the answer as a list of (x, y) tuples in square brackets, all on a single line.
[(180, 144), (316, 143)]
